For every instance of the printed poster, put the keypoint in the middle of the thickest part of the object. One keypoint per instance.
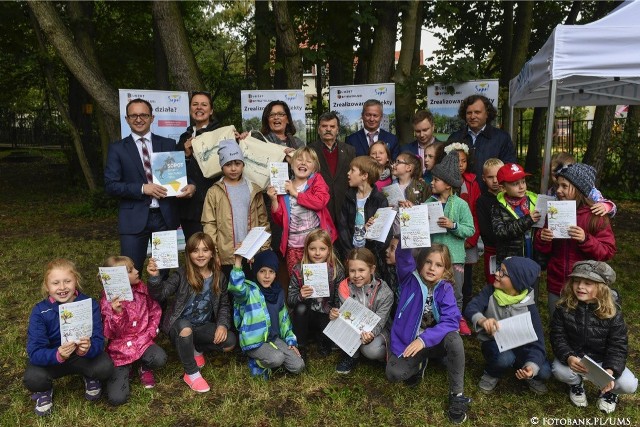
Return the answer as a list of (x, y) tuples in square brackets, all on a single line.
[(170, 110), (253, 103), (347, 102)]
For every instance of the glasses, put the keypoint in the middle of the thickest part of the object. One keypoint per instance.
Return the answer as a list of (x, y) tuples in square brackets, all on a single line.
[(400, 162), (144, 117), (502, 273), (279, 115)]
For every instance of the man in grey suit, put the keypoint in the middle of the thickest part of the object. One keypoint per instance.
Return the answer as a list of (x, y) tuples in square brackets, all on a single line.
[(335, 157)]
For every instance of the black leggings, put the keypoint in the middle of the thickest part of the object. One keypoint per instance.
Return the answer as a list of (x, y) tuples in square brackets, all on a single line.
[(40, 378)]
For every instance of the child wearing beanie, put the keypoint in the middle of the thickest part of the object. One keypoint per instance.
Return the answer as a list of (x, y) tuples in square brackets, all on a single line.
[(588, 322), (457, 220), (233, 206), (591, 238), (262, 318), (510, 295)]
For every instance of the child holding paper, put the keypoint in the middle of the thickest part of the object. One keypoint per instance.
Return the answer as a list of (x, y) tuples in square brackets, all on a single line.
[(591, 238), (262, 318), (198, 318), (374, 294), (131, 327), (426, 324), (304, 207), (311, 315), (49, 359), (379, 151), (601, 205), (512, 294), (233, 206), (457, 220), (588, 322), (484, 205), (361, 203)]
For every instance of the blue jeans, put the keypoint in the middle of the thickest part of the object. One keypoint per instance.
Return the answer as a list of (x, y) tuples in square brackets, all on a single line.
[(498, 363)]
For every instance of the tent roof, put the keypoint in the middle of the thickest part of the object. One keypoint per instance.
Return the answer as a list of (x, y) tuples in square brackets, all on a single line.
[(594, 64)]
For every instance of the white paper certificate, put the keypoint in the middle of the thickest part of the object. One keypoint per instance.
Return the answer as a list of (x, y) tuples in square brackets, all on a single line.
[(541, 206), (76, 320), (393, 193), (317, 276), (252, 243), (164, 249), (561, 215), (278, 175), (515, 331), (116, 283), (354, 319), (595, 373), (381, 226), (414, 227), (435, 212)]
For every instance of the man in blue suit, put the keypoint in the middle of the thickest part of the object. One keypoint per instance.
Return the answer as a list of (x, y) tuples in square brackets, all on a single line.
[(423, 127), (372, 132), (144, 207)]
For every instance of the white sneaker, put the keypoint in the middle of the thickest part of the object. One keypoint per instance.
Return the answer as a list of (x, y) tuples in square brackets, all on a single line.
[(607, 402), (578, 395)]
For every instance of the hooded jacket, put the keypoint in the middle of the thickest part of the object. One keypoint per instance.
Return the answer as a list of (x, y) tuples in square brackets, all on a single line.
[(377, 296), (510, 229)]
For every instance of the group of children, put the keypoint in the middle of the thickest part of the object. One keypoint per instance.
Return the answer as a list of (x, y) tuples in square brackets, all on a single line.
[(218, 300)]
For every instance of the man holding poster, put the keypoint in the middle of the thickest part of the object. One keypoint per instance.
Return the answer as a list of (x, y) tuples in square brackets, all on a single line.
[(372, 132), (484, 140), (144, 207)]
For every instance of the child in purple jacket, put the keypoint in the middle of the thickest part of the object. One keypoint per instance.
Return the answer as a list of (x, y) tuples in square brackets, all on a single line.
[(426, 324)]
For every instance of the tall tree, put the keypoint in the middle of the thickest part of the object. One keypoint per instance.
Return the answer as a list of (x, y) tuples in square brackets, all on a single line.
[(182, 64), (600, 137), (629, 155), (289, 44), (405, 93), (263, 34), (384, 43)]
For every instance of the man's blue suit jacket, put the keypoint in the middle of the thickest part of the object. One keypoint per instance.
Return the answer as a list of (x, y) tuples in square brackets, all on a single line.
[(360, 142), (123, 178)]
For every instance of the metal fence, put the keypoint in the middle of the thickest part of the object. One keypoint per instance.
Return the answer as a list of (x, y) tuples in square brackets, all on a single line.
[(37, 129)]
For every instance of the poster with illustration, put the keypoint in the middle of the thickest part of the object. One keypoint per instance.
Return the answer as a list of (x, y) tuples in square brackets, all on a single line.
[(76, 320)]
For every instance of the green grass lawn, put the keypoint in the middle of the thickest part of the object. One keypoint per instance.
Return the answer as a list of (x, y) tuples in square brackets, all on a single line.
[(42, 218)]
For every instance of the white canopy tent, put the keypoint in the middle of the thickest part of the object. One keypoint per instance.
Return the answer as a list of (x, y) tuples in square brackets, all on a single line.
[(592, 64)]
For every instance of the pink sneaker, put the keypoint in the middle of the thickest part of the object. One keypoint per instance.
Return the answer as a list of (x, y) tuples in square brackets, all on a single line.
[(199, 384), (464, 328), (200, 360), (146, 378)]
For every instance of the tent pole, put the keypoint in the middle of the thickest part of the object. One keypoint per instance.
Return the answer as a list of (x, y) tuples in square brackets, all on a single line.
[(511, 129), (546, 165)]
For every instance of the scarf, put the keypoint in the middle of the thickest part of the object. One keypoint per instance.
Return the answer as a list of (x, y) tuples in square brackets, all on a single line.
[(503, 299), (385, 174), (271, 293), (516, 202)]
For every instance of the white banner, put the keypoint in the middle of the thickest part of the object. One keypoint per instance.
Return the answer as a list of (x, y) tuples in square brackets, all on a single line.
[(347, 102), (253, 103), (170, 108), (443, 102)]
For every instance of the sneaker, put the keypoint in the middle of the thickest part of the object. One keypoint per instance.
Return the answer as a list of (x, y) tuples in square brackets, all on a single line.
[(537, 386), (346, 364), (146, 378), (44, 402), (464, 328), (415, 379), (607, 402), (92, 389), (257, 371), (488, 383), (199, 358), (577, 395), (458, 407), (199, 384)]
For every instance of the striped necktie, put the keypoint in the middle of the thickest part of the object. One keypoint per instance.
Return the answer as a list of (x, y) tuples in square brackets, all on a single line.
[(146, 160), (371, 136)]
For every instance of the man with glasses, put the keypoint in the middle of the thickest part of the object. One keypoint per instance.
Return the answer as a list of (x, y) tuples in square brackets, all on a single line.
[(372, 132), (144, 207)]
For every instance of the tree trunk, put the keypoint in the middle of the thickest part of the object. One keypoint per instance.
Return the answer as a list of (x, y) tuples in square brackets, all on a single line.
[(60, 37), (363, 53), (573, 13), (289, 44), (405, 92), (507, 47), (340, 40), (75, 135), (182, 64), (629, 155), (600, 137), (160, 64), (384, 43), (536, 139), (264, 33)]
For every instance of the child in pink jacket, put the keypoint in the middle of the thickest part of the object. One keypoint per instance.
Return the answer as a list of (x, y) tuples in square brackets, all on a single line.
[(131, 327)]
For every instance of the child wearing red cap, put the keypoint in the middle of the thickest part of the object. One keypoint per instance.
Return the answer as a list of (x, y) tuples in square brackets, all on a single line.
[(514, 214)]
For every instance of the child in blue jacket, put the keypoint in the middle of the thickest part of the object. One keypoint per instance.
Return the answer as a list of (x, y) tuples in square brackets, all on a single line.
[(510, 295)]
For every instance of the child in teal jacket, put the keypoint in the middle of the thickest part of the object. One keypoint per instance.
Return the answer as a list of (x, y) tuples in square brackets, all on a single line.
[(262, 319)]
